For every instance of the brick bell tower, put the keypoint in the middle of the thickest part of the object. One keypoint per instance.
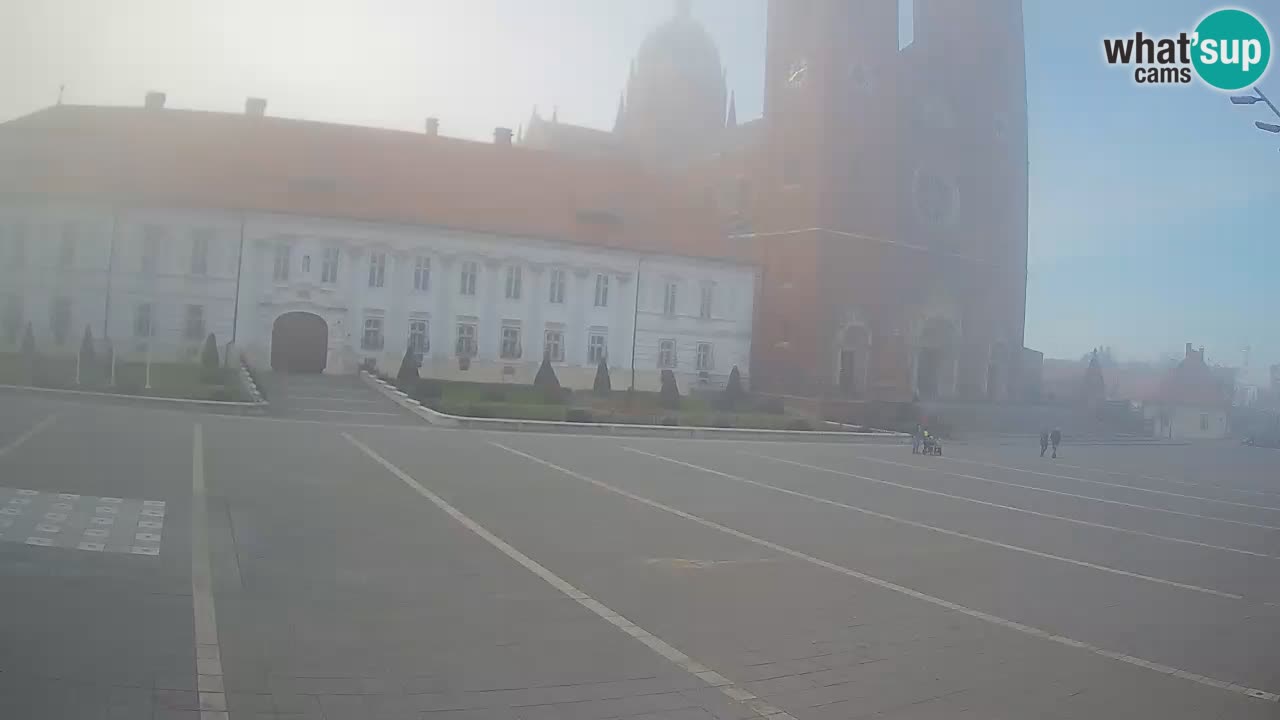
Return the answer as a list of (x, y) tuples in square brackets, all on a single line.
[(963, 187), (827, 184), (891, 233)]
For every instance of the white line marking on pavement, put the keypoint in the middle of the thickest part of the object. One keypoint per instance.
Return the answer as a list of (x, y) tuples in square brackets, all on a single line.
[(993, 619), (1185, 483), (335, 399), (213, 701), (35, 430), (344, 412), (1117, 485), (1005, 507), (943, 531), (686, 663), (1070, 495)]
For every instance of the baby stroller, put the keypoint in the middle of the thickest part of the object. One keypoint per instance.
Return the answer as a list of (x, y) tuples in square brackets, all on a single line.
[(930, 446)]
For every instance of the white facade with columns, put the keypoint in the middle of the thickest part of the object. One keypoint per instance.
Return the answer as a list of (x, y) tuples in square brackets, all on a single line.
[(243, 271)]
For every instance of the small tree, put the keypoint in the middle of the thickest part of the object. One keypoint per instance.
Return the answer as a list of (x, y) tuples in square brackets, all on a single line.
[(733, 393), (547, 380), (88, 363), (87, 354), (602, 384), (210, 367), (669, 395), (108, 359), (29, 354), (407, 378), (28, 343)]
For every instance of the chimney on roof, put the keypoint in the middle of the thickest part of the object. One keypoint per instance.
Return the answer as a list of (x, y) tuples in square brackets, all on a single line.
[(502, 136), (255, 107), (1188, 349), (154, 101), (433, 127)]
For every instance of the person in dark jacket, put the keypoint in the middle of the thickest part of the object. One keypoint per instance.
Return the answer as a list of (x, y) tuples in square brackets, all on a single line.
[(1044, 442), (1055, 437)]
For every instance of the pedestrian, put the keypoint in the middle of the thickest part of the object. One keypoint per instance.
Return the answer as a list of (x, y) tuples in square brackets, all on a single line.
[(1055, 437), (916, 438), (1044, 442)]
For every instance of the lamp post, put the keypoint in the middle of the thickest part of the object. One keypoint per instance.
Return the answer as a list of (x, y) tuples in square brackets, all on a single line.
[(1259, 97), (635, 320)]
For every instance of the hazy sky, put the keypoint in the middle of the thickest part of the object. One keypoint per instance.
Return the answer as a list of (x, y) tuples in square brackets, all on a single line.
[(1155, 211)]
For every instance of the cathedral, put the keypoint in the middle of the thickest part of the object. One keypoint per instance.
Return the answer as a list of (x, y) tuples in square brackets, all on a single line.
[(882, 195)]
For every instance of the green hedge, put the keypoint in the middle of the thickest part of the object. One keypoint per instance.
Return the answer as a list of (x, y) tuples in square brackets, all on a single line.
[(514, 411), (501, 410), (176, 380)]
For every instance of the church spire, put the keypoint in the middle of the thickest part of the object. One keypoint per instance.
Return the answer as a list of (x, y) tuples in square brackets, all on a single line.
[(622, 108), (732, 121)]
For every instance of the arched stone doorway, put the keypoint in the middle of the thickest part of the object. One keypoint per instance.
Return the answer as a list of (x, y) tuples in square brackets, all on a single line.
[(299, 343), (935, 359), (854, 360)]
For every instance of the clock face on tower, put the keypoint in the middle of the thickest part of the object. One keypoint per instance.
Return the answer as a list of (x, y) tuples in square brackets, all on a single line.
[(936, 199), (798, 73), (860, 78)]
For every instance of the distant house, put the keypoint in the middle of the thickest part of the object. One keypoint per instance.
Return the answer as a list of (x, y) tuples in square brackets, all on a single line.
[(1191, 403)]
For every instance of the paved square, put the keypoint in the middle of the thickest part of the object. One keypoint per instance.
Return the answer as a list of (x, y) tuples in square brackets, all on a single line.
[(76, 522)]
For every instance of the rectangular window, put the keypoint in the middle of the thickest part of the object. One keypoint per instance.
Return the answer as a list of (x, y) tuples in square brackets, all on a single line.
[(200, 252), (602, 290), (422, 274), (666, 353), (515, 278), (708, 297), (554, 345), (377, 269), (151, 236), (510, 349), (669, 300), (12, 318), (306, 264), (193, 323), (143, 323), (706, 360), (60, 319), (1204, 421), (67, 247), (329, 266), (280, 268), (419, 338), (597, 347), (468, 278), (556, 295), (466, 345), (19, 258), (372, 337)]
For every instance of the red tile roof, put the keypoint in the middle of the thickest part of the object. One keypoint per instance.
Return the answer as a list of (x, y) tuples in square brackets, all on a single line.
[(1192, 384), (192, 159)]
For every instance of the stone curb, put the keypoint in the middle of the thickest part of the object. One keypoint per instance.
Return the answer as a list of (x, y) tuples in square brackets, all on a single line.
[(246, 379), (440, 419)]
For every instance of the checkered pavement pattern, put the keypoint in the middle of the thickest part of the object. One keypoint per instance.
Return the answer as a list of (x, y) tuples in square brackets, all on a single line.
[(81, 522)]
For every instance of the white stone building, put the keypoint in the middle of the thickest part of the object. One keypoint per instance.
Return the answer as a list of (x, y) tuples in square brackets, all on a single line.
[(295, 288)]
